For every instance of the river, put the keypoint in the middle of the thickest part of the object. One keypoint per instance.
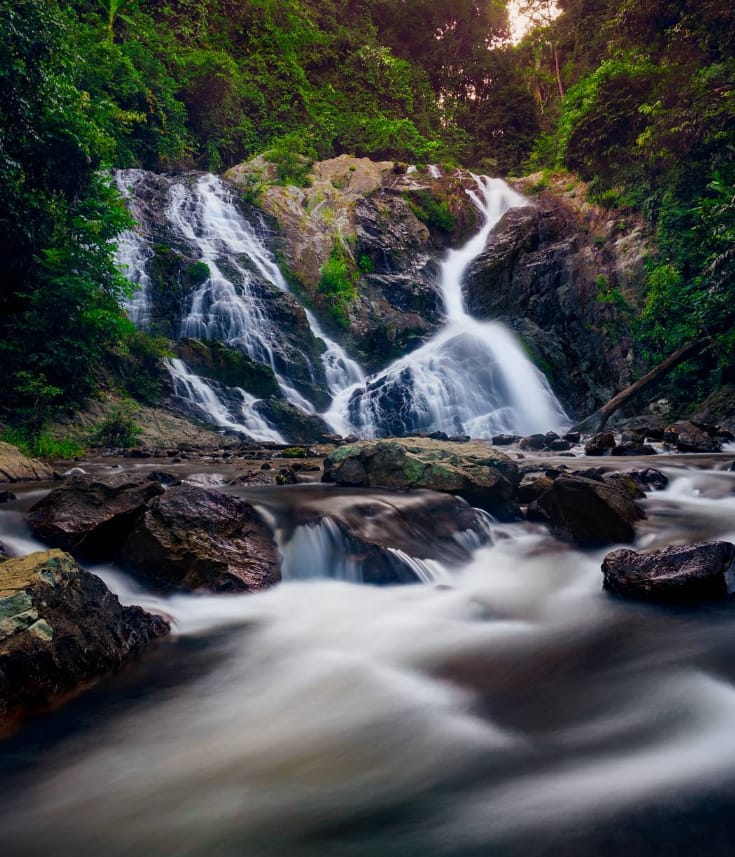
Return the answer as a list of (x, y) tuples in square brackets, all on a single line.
[(508, 708)]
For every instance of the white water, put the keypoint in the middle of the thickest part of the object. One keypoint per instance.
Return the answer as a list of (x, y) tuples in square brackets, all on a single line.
[(472, 377), (133, 255), (196, 390), (230, 310), (516, 711)]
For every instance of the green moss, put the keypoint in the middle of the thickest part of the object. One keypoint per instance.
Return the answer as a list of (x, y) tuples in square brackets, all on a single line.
[(229, 366), (432, 210), (338, 284)]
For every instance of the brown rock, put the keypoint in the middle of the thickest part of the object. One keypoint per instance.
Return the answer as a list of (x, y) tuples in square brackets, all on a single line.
[(600, 444), (91, 516), (588, 512), (60, 628), (680, 573), (473, 470), (198, 538), (16, 467)]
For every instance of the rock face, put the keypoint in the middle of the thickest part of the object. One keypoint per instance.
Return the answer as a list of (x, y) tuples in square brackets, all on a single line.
[(681, 573), (587, 512), (563, 274), (60, 628), (380, 217), (16, 467), (89, 516), (198, 538), (475, 471)]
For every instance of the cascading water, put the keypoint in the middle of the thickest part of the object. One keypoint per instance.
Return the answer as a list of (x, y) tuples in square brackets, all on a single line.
[(472, 377), (242, 417)]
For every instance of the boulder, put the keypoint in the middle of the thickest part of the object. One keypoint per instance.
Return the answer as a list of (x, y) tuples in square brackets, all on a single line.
[(532, 486), (91, 516), (473, 470), (681, 573), (632, 447), (600, 444), (16, 467), (587, 512), (199, 538), (648, 478), (60, 628), (687, 436)]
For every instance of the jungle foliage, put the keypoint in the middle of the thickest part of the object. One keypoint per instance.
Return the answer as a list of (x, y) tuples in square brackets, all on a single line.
[(636, 96)]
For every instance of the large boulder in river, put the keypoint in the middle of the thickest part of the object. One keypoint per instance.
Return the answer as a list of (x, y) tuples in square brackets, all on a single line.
[(92, 516), (687, 436), (680, 573), (16, 467), (587, 512), (60, 628), (473, 470), (199, 538)]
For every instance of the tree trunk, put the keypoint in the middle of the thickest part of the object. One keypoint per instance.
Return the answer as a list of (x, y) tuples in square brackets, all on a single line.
[(558, 71), (596, 421)]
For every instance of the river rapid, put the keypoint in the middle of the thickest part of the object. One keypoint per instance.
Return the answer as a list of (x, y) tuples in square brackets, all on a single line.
[(509, 707)]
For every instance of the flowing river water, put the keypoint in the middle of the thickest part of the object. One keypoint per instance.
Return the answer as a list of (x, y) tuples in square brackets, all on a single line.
[(508, 707)]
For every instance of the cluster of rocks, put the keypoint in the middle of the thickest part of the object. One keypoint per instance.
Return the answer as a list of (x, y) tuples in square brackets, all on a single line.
[(177, 537)]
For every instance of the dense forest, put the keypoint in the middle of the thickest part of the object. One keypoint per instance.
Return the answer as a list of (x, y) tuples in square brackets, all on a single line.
[(636, 97)]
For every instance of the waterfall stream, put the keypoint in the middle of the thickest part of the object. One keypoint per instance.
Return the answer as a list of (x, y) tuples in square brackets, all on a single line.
[(470, 378), (512, 709)]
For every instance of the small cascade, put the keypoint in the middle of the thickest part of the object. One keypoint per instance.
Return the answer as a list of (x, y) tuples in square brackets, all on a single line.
[(202, 395), (434, 171), (471, 377)]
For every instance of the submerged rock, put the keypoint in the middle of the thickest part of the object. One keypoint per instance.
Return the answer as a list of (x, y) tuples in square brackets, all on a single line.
[(60, 628), (92, 516), (16, 467), (680, 573), (587, 512), (383, 539), (475, 471), (199, 538)]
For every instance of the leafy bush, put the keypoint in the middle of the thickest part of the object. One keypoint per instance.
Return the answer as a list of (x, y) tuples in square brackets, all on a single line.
[(119, 429), (42, 444)]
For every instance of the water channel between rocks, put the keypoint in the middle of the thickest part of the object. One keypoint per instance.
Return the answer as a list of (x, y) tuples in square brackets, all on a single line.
[(508, 707)]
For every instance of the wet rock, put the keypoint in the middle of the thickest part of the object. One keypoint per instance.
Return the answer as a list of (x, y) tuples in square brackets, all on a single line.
[(572, 436), (91, 516), (377, 540), (16, 467), (475, 471), (505, 439), (532, 486), (600, 444), (7, 496), (60, 628), (687, 436), (533, 442), (680, 573), (559, 445), (625, 483), (632, 447), (199, 538), (587, 512), (648, 478), (164, 478)]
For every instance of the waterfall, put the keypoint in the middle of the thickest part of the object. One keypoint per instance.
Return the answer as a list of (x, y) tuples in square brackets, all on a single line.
[(471, 377), (133, 254), (196, 390)]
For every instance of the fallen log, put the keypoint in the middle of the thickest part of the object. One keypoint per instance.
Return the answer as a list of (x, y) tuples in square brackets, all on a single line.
[(596, 421)]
